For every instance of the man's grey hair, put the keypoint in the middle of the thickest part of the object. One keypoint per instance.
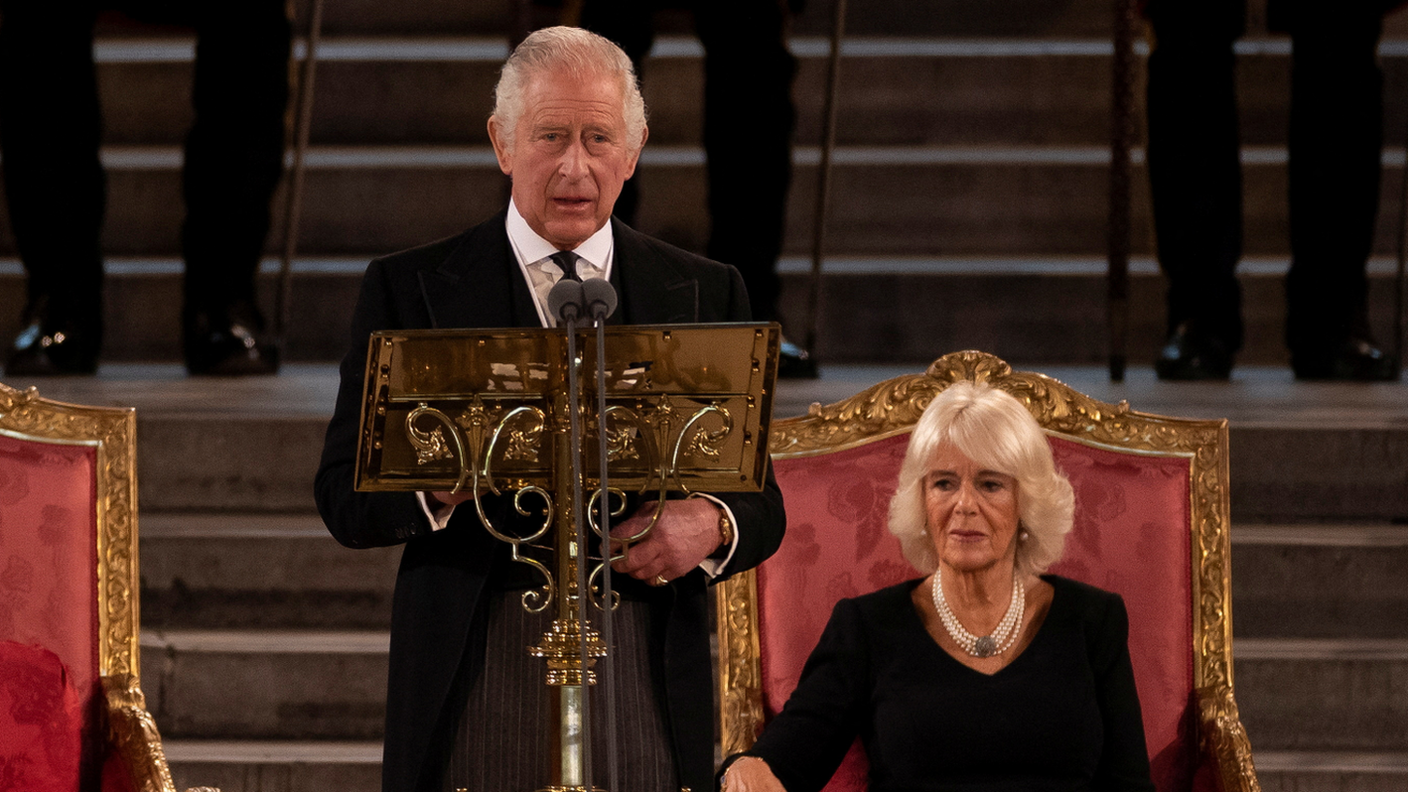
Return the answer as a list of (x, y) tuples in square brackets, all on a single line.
[(994, 430), (582, 54)]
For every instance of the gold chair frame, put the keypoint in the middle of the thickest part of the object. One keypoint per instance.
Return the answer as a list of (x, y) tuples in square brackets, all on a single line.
[(112, 432), (892, 407)]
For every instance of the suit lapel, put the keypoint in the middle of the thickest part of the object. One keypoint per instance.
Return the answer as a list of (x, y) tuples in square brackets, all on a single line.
[(468, 288), (652, 289)]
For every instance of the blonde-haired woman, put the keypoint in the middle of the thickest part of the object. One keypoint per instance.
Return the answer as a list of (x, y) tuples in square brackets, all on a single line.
[(988, 674)]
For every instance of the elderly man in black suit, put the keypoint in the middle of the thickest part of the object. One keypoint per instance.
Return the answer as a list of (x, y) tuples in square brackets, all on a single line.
[(568, 126)]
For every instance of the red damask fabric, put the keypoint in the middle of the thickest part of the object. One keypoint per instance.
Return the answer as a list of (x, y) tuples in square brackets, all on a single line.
[(48, 563), (41, 722), (1131, 536), (117, 777)]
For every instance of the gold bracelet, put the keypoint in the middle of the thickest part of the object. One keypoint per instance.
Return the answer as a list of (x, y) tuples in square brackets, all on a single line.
[(725, 524)]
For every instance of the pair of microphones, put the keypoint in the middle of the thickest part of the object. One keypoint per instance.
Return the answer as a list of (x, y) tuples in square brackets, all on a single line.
[(571, 300)]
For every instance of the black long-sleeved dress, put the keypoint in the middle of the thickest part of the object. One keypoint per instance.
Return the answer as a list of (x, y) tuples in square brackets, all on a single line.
[(1064, 715)]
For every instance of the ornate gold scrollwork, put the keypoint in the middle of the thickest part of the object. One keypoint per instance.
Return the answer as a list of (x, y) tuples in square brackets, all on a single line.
[(696, 441), (431, 446), (534, 600), (621, 438), (593, 509), (649, 427), (1225, 740), (134, 735), (562, 648), (112, 432), (740, 672)]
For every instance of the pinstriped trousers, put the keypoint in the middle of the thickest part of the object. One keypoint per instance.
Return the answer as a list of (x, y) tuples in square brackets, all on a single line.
[(504, 739)]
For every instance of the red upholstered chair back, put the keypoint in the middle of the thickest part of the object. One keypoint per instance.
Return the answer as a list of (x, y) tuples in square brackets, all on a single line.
[(1143, 492), (72, 715), (49, 591)]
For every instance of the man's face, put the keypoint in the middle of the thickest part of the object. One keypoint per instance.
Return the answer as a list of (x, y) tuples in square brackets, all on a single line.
[(569, 155)]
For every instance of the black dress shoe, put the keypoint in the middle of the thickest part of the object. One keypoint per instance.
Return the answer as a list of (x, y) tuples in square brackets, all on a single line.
[(228, 344), (1189, 354), (793, 362), (1356, 359), (47, 349)]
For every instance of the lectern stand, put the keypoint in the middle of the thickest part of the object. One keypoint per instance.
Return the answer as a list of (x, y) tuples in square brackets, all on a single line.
[(487, 412)]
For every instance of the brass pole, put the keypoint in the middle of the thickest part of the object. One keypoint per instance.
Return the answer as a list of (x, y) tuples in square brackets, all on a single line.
[(293, 204), (570, 646), (823, 174), (1402, 264)]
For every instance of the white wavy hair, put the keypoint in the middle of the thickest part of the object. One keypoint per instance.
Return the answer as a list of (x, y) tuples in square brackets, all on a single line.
[(579, 52), (994, 430)]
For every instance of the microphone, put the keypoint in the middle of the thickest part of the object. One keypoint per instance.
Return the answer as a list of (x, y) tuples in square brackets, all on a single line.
[(599, 297), (565, 300)]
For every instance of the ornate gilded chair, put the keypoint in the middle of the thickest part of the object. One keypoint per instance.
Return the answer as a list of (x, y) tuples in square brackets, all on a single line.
[(72, 714), (1151, 524)]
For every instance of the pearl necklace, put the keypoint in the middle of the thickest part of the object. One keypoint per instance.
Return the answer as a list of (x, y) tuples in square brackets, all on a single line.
[(1001, 639)]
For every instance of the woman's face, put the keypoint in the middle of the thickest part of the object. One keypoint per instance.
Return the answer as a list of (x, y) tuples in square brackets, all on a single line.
[(971, 512)]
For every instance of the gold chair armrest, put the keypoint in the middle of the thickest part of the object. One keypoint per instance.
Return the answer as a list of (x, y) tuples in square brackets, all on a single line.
[(1225, 740), (133, 733)]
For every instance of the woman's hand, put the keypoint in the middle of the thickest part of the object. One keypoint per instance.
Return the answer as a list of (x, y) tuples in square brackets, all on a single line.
[(751, 774)]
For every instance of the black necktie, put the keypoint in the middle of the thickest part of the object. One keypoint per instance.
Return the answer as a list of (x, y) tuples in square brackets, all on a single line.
[(566, 261)]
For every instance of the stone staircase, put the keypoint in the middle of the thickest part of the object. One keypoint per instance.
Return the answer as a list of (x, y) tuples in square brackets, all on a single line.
[(971, 163), (968, 212)]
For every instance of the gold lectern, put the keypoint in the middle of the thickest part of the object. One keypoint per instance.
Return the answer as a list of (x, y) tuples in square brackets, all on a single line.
[(489, 412)]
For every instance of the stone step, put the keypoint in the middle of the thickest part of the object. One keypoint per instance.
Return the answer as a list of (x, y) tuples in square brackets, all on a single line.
[(268, 766), (247, 684), (1022, 92), (887, 201), (1300, 452), (1330, 771), (1320, 581), (1323, 694), (207, 571), (1294, 694), (275, 766), (1043, 310)]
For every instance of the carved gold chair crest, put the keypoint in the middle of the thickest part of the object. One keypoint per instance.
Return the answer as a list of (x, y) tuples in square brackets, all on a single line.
[(1151, 524), (76, 718)]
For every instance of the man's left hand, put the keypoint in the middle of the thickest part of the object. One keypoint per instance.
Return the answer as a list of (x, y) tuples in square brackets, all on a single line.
[(687, 532)]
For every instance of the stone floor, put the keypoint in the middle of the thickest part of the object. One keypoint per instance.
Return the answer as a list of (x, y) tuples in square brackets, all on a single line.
[(1256, 395)]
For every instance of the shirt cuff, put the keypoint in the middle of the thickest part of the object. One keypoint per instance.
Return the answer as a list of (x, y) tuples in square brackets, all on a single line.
[(438, 519), (713, 567)]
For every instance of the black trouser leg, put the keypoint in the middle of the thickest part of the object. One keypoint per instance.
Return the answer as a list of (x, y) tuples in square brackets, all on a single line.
[(1194, 166), (234, 152), (748, 123), (748, 120), (629, 24), (1336, 135), (50, 130)]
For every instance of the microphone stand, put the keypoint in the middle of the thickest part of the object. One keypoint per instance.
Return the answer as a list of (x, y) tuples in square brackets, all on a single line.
[(568, 300), (600, 299), (569, 666)]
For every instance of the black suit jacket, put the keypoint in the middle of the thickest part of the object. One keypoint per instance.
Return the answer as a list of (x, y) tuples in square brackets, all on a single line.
[(473, 280)]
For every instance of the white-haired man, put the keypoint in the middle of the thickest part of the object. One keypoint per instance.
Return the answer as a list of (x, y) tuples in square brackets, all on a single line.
[(567, 128)]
